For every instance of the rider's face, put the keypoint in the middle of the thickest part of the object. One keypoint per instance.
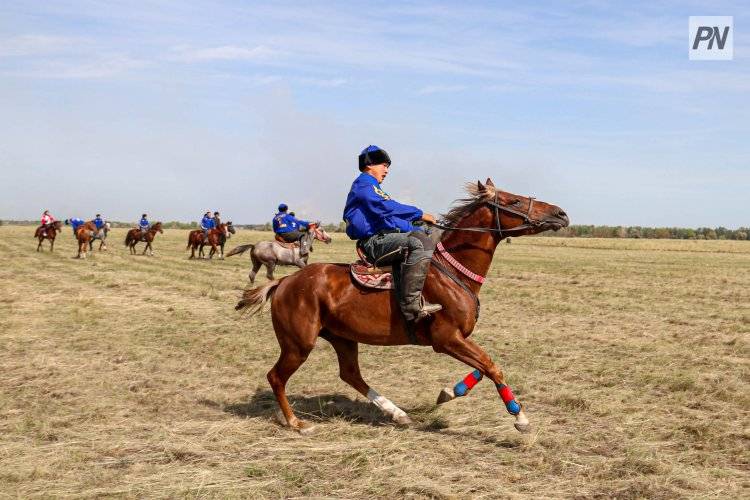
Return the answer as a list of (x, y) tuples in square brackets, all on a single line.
[(379, 171)]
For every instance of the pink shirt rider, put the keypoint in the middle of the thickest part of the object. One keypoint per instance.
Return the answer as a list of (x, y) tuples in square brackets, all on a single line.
[(47, 218)]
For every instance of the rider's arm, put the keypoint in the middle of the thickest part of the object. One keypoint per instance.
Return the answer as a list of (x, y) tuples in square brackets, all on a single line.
[(383, 206)]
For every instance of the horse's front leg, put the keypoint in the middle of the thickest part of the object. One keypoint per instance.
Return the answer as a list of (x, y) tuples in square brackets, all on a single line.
[(467, 351), (39, 246)]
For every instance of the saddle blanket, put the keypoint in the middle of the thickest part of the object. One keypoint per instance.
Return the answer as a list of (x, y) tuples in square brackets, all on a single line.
[(371, 277), (286, 244)]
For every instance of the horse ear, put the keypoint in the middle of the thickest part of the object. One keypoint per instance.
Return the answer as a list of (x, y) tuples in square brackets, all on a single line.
[(480, 187), (489, 182)]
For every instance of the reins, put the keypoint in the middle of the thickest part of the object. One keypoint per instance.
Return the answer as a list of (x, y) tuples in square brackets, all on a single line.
[(528, 222)]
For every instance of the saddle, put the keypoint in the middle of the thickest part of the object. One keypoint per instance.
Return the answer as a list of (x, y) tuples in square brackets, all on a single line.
[(370, 276), (286, 244)]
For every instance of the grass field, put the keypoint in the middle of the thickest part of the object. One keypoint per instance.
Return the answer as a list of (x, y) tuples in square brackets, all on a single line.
[(134, 377)]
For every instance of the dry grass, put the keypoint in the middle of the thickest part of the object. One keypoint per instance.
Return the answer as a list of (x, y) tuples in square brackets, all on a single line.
[(133, 377)]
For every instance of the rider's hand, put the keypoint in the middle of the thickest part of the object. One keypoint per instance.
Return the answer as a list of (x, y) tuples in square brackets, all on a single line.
[(428, 218)]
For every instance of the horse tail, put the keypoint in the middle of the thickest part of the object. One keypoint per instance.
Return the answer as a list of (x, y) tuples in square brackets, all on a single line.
[(240, 249), (256, 298), (127, 238)]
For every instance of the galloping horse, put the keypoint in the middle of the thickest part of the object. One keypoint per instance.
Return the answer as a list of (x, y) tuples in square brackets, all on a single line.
[(273, 253), (217, 237), (101, 235), (48, 232), (322, 300), (84, 234), (135, 235)]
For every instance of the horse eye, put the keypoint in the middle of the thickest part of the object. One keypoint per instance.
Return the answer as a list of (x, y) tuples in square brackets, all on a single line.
[(516, 202)]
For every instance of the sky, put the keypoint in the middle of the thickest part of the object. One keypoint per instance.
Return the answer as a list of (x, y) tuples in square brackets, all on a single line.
[(178, 107)]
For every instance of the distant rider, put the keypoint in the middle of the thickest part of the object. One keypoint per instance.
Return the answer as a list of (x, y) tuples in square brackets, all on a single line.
[(75, 223), (207, 224), (144, 225), (290, 229), (47, 221), (98, 221), (384, 230)]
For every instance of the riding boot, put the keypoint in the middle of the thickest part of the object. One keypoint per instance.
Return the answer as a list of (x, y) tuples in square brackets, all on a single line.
[(411, 300), (303, 250)]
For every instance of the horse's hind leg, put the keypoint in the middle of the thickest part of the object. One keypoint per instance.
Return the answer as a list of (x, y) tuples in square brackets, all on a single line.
[(290, 360), (270, 266), (348, 355), (256, 267), (39, 246)]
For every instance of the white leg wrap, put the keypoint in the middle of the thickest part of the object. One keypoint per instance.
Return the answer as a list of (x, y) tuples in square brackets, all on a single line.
[(385, 404)]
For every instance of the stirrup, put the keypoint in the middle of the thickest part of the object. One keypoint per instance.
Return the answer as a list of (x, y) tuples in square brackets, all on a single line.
[(426, 309)]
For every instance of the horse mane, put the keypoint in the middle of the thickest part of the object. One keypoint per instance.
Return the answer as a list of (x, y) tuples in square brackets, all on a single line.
[(464, 207)]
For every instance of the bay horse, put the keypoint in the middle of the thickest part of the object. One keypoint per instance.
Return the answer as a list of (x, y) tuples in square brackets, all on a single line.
[(48, 232), (101, 235), (272, 253), (84, 235), (135, 236), (322, 300), (217, 237)]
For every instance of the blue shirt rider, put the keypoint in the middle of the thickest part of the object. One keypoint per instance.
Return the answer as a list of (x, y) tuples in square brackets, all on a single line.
[(290, 228), (75, 223), (98, 221), (385, 231), (144, 225), (207, 223)]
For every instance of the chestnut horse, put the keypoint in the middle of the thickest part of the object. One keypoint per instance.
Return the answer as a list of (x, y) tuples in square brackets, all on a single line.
[(273, 253), (217, 237), (322, 300), (135, 235), (49, 232), (85, 234)]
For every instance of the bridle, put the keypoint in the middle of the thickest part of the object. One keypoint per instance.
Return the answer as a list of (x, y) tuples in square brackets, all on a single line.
[(497, 207)]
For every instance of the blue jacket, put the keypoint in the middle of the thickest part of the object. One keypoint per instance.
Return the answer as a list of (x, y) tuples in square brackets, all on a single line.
[(369, 210), (207, 223), (99, 222), (144, 223), (75, 223), (285, 223)]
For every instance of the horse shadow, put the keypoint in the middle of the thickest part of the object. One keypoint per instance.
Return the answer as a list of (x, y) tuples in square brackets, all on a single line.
[(331, 407), (322, 408)]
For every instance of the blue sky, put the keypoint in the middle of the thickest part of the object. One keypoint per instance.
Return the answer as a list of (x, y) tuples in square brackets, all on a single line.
[(178, 107)]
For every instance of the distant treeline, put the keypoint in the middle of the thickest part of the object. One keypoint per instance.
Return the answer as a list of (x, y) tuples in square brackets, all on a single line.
[(675, 233), (575, 231)]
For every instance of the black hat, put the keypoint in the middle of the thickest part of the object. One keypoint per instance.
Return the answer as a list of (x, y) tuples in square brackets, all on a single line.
[(373, 155)]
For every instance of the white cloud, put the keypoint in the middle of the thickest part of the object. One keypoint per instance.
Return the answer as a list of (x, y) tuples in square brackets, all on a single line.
[(225, 53)]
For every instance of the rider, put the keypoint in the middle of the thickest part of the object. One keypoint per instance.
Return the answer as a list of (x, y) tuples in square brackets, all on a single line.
[(144, 225), (75, 223), (98, 221), (47, 220), (217, 219), (384, 231), (290, 228), (207, 224)]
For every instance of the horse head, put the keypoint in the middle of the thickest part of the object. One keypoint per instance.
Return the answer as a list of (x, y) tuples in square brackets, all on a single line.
[(157, 227), (57, 225), (224, 228), (230, 228), (506, 213), (319, 233)]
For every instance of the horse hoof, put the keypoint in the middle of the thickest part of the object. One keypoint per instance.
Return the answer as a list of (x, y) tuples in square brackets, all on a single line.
[(305, 428), (403, 420), (445, 396), (522, 428)]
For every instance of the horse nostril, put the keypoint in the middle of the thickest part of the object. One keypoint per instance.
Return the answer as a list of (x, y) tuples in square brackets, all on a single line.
[(562, 214)]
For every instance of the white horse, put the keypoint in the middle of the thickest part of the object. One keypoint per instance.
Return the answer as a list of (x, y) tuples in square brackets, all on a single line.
[(273, 253), (100, 235)]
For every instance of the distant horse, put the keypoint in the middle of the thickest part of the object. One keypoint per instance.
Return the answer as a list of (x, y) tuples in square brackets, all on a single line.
[(84, 234), (322, 300), (101, 235), (49, 232), (217, 237), (135, 236), (273, 253)]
